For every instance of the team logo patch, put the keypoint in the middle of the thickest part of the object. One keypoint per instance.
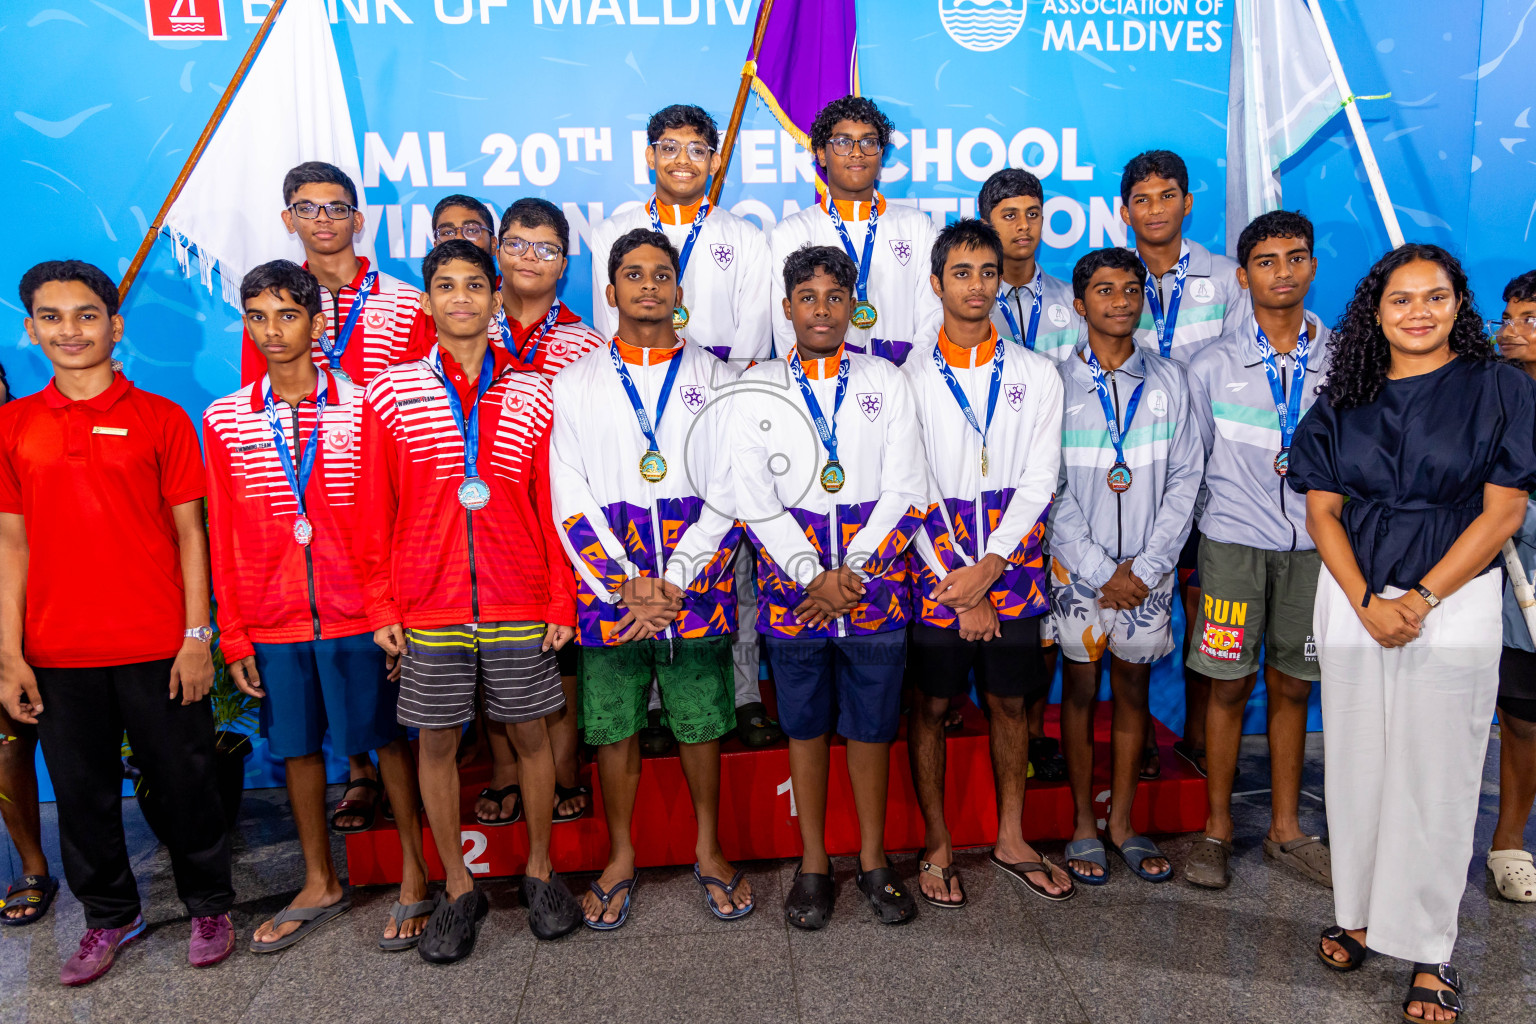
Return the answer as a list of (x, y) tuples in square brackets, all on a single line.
[(1058, 314), (723, 254), (693, 397), (1015, 393), (1224, 643), (870, 403), (1157, 401), (375, 319), (514, 402), (556, 347), (901, 248), (338, 440), (1201, 289)]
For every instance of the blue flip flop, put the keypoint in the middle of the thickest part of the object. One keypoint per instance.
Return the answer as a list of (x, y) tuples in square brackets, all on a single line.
[(627, 887), (705, 881), (1092, 851), (1136, 849)]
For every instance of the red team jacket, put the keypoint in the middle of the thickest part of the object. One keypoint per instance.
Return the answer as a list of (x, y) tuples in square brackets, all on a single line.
[(271, 589), (427, 561)]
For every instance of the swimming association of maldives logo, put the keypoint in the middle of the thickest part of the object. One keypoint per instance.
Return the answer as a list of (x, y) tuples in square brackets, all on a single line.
[(185, 19), (983, 25)]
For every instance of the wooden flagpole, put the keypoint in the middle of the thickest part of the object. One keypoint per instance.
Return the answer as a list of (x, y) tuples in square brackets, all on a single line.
[(197, 152), (748, 72)]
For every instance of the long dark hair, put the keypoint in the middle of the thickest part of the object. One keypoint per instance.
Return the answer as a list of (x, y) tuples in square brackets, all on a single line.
[(1361, 353)]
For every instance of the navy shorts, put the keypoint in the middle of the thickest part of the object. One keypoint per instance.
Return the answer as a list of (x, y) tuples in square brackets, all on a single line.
[(340, 684), (849, 685)]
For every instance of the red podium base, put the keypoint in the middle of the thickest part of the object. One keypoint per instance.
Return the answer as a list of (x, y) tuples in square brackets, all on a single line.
[(757, 810)]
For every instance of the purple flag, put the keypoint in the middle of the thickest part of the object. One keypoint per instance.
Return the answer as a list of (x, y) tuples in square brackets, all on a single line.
[(808, 58)]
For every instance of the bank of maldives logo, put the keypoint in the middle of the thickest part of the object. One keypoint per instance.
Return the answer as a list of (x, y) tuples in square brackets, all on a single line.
[(185, 19), (983, 25)]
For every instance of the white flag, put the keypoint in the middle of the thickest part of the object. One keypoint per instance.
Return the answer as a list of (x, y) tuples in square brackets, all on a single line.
[(291, 107), (1281, 91)]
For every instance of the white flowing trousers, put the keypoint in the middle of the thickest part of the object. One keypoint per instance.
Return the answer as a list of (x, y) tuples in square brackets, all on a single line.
[(1405, 732)]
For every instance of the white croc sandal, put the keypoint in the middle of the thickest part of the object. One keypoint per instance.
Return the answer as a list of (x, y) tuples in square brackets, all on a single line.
[(1515, 874)]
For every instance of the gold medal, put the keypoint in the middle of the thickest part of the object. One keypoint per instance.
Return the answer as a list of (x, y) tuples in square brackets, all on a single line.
[(679, 317), (833, 477), (984, 463), (653, 468), (864, 315)]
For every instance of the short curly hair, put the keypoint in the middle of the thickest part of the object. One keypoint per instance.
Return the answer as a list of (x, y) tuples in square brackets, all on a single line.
[(1361, 352), (801, 265), (850, 108)]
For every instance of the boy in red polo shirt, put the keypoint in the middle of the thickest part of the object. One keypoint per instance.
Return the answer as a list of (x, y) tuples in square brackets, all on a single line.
[(283, 461), (104, 615), (465, 578), (368, 327)]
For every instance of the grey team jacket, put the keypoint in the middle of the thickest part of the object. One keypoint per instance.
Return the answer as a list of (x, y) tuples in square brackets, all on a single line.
[(1092, 528), (1244, 500)]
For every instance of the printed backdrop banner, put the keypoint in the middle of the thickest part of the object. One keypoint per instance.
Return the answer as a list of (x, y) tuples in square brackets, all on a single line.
[(506, 98)]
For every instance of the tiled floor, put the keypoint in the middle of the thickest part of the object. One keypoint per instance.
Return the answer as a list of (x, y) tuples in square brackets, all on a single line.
[(1128, 952)]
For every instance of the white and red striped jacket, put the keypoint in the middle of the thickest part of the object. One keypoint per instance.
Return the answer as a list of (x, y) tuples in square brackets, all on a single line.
[(381, 338), (426, 560), (271, 589), (568, 340)]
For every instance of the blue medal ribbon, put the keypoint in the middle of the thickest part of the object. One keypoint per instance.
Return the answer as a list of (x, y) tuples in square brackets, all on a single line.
[(510, 342), (469, 427), (1288, 410), (1166, 320), (1116, 432), (693, 233), (827, 429), (648, 426), (868, 259), (298, 478), (965, 404), (335, 350), (1028, 339)]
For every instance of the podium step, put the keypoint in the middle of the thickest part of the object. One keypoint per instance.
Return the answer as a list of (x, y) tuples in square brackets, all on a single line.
[(758, 814)]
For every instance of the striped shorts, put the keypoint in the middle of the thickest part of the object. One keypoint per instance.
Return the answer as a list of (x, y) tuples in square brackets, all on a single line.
[(443, 667)]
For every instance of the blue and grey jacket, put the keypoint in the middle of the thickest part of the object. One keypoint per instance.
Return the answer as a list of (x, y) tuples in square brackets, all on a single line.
[(1244, 501), (1093, 528), (1213, 303)]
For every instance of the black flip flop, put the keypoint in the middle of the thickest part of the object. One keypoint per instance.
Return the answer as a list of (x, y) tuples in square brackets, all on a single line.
[(36, 905), (1192, 754), (946, 875), (364, 809), (1147, 774), (564, 793), (1019, 872), (888, 898), (451, 932), (809, 903), (496, 796)]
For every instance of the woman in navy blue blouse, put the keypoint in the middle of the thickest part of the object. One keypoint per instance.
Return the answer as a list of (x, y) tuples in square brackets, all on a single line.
[(1416, 462)]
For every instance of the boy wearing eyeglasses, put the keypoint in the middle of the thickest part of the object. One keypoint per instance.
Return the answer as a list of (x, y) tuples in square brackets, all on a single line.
[(725, 258), (893, 305), (368, 326), (454, 216), (725, 287)]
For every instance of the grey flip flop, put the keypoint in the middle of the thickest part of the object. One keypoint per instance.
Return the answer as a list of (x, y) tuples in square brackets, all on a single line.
[(401, 913), (310, 918)]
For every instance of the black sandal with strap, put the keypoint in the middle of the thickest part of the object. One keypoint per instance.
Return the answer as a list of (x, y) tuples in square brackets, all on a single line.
[(368, 810), (1446, 999), (496, 796), (564, 793), (43, 887), (1357, 953)]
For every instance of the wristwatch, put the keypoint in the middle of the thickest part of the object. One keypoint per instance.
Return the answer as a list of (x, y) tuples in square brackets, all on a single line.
[(1428, 595), (203, 633)]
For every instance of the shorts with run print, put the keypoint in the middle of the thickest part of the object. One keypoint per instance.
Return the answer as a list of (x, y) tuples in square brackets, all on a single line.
[(696, 680), (443, 668), (1084, 630)]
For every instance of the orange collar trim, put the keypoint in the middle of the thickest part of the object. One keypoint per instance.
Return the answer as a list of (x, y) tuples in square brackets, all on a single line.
[(635, 355), (956, 356)]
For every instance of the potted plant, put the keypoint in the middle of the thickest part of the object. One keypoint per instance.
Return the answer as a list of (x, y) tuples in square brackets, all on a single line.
[(234, 719)]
